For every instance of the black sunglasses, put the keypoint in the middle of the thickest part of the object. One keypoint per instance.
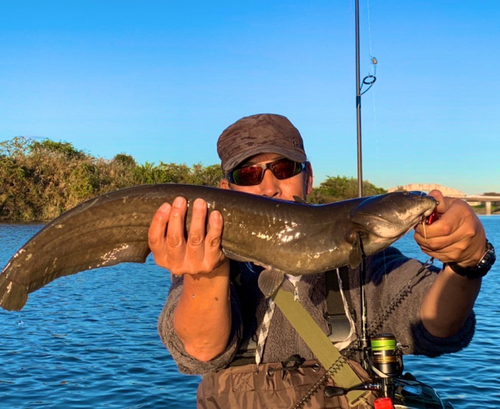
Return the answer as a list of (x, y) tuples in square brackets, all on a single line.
[(252, 175)]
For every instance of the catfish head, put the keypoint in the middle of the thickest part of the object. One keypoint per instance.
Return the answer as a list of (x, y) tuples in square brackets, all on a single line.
[(379, 221)]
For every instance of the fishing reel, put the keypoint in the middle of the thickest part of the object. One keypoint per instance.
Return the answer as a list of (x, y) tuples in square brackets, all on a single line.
[(384, 361)]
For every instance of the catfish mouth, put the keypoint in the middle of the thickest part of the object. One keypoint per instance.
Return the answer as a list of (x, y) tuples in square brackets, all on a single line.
[(386, 229)]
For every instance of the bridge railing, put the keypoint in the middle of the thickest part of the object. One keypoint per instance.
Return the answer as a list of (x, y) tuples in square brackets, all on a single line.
[(487, 200)]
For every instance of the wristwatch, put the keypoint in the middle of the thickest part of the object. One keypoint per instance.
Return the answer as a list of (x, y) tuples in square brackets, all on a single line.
[(481, 268)]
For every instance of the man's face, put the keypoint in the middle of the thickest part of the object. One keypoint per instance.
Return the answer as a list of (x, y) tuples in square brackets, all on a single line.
[(299, 185)]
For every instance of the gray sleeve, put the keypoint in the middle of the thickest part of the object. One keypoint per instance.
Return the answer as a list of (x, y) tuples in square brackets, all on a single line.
[(185, 362), (396, 286)]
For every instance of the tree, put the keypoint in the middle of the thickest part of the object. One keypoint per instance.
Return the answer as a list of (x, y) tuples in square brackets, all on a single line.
[(125, 160), (337, 188), (50, 147)]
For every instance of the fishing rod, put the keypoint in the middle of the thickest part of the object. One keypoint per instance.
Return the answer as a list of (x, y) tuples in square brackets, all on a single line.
[(368, 80), (381, 355), (358, 106)]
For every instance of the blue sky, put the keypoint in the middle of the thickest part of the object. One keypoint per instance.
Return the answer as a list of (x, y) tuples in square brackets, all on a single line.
[(160, 80)]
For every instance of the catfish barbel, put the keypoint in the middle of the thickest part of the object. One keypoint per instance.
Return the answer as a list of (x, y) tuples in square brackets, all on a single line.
[(283, 237)]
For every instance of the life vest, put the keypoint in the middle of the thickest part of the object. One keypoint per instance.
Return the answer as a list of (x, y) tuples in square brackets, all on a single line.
[(335, 315)]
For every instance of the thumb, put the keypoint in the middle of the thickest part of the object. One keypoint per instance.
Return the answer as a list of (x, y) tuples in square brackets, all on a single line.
[(443, 202)]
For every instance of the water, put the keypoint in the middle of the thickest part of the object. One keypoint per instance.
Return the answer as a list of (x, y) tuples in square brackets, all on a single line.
[(90, 340), (469, 378)]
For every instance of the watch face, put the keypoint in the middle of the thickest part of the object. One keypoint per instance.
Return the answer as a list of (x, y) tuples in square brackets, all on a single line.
[(489, 257)]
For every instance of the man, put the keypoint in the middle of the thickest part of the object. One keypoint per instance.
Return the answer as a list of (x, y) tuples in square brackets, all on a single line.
[(214, 309)]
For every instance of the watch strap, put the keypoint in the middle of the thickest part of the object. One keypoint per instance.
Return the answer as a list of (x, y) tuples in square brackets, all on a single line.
[(483, 266)]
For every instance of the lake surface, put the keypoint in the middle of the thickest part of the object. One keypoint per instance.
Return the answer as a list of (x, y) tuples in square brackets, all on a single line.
[(90, 340)]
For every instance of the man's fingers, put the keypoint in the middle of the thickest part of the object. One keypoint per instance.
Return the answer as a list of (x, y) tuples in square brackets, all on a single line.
[(213, 252), (176, 229), (214, 235), (200, 252), (443, 202), (196, 235), (440, 229), (456, 236), (156, 233), (450, 220)]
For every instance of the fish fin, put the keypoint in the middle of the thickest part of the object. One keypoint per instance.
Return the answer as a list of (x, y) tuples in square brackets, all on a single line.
[(356, 253), (13, 295), (234, 256), (270, 280), (298, 199)]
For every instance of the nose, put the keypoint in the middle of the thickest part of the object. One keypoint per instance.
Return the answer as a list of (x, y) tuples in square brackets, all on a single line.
[(270, 186)]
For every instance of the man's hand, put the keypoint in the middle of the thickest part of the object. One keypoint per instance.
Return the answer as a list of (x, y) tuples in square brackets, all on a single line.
[(457, 236), (201, 252), (202, 317)]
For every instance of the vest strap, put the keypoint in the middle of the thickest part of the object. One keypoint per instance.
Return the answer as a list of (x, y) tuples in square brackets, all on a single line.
[(335, 315), (326, 353)]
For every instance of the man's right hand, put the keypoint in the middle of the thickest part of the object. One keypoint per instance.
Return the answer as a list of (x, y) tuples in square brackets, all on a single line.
[(201, 252)]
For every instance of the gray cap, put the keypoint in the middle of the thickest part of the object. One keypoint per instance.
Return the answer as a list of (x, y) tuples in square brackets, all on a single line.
[(262, 133)]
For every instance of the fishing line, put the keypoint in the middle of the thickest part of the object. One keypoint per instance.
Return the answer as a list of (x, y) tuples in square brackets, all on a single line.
[(369, 27), (370, 79), (374, 62), (373, 59)]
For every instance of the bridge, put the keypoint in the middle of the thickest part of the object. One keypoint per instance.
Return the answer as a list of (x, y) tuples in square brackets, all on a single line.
[(450, 192)]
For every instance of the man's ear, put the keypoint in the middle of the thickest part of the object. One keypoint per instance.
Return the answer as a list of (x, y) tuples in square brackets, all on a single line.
[(224, 184), (309, 178)]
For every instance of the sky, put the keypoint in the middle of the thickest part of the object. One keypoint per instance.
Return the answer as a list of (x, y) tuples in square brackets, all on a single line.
[(160, 80)]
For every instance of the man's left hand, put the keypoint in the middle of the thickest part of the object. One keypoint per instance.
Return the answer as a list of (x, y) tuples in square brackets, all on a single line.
[(456, 236)]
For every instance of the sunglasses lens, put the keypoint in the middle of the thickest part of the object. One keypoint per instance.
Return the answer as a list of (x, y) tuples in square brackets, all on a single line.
[(247, 176), (285, 168), (252, 175)]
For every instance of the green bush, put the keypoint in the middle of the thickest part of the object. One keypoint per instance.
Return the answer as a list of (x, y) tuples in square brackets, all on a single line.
[(40, 180), (336, 188)]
